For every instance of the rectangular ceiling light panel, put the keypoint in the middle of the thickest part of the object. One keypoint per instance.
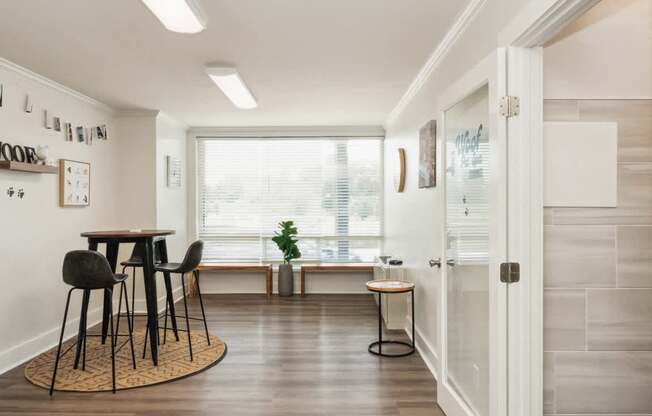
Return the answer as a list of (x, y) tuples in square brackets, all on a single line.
[(182, 16), (232, 86)]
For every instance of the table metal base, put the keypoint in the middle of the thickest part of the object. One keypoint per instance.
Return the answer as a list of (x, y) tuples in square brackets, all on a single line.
[(376, 347)]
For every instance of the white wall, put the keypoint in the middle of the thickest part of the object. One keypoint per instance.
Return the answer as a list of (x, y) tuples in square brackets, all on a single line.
[(605, 54), (36, 232), (413, 221)]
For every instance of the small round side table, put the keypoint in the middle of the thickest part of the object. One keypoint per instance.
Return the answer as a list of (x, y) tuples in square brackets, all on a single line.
[(389, 287)]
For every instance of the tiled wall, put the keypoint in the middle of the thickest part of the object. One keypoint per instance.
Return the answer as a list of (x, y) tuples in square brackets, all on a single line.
[(598, 278)]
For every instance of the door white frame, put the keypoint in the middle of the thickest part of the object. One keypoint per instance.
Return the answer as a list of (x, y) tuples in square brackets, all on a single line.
[(491, 70), (524, 38)]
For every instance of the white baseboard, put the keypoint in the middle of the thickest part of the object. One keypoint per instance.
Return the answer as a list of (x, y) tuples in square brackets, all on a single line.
[(18, 354), (25, 351), (425, 349)]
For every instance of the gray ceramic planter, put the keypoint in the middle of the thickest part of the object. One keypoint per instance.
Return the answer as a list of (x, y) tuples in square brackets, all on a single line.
[(285, 280)]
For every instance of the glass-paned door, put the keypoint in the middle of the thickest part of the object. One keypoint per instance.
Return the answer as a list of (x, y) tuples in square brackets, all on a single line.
[(474, 243)]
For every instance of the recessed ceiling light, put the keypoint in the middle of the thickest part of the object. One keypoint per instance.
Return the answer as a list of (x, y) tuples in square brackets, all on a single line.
[(232, 86), (182, 16)]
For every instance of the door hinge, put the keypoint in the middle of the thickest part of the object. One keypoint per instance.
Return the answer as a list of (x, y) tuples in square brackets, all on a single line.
[(510, 272), (509, 106)]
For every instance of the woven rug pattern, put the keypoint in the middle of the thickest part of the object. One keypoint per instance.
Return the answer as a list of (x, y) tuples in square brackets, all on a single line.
[(174, 363)]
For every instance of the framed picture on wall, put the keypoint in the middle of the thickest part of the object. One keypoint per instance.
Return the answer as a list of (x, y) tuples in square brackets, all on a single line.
[(74, 183), (428, 155)]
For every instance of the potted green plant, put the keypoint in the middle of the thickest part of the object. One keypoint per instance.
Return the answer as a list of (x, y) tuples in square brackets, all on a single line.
[(287, 243)]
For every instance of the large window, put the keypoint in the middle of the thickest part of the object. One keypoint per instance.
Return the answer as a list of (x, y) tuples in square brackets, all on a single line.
[(330, 187)]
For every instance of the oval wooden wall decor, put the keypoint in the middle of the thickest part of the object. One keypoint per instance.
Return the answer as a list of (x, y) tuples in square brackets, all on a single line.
[(399, 176)]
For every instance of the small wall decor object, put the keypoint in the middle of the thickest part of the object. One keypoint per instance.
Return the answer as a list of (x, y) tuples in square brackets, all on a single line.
[(104, 136), (99, 132), (67, 127), (20, 193), (89, 135), (81, 134), (399, 173), (28, 104), (56, 123), (74, 183), (46, 120), (428, 155), (2, 93), (42, 155), (173, 171), (10, 192)]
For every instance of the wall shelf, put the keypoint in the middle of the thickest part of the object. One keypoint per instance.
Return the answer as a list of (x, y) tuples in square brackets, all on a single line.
[(27, 167)]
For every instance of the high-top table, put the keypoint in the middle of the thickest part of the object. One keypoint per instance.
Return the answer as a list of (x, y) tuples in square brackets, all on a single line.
[(150, 240)]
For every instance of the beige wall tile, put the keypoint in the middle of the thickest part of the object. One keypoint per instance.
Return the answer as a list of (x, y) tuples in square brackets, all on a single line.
[(603, 382), (619, 319), (561, 110), (611, 110), (634, 201), (564, 320), (579, 256), (634, 256), (635, 140), (548, 382)]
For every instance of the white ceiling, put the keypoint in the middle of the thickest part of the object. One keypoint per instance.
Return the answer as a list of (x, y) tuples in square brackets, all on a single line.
[(309, 62)]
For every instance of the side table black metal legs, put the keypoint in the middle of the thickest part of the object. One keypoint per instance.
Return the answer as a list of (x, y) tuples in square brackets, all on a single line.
[(376, 347)]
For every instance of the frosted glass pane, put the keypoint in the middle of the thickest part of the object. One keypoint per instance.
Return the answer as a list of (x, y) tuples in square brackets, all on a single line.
[(467, 228)]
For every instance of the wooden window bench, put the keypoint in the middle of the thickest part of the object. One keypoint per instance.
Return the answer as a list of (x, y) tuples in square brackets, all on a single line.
[(333, 267), (241, 267)]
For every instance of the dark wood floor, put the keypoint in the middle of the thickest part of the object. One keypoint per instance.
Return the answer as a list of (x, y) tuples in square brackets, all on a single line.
[(296, 356)]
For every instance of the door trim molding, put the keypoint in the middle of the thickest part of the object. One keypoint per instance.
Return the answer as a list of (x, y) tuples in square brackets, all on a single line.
[(524, 38)]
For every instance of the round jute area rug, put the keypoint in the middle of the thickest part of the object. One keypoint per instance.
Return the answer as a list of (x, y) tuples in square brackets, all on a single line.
[(173, 363)]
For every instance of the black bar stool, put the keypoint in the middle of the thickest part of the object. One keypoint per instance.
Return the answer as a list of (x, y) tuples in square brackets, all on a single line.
[(135, 261), (89, 270), (388, 287), (189, 264)]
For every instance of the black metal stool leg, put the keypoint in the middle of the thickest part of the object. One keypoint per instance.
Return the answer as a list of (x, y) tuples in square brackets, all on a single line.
[(165, 324), (131, 339), (63, 328), (145, 342), (201, 303), (84, 353), (112, 342), (117, 325), (185, 306), (133, 296)]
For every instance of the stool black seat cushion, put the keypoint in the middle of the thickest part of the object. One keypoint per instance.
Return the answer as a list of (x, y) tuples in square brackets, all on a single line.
[(87, 269), (137, 256), (168, 267), (189, 263)]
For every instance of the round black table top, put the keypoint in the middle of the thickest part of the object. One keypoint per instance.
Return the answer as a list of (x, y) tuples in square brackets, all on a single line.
[(127, 233)]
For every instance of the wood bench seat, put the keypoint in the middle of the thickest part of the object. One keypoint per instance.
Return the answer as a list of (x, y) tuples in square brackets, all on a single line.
[(333, 267), (241, 267)]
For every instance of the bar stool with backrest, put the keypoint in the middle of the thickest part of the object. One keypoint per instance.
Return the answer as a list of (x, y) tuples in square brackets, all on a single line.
[(135, 261), (90, 270), (188, 265)]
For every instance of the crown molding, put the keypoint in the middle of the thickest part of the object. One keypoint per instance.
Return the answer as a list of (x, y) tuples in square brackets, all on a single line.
[(442, 49), (288, 131), (29, 74), (136, 113), (540, 21)]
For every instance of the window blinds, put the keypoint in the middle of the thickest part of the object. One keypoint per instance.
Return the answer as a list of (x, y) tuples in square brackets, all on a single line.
[(330, 187)]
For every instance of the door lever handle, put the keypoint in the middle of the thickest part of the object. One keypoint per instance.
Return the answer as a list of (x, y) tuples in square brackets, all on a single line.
[(437, 262)]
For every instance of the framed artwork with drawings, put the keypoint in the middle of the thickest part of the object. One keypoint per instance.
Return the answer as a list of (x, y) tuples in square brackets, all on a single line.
[(74, 183)]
